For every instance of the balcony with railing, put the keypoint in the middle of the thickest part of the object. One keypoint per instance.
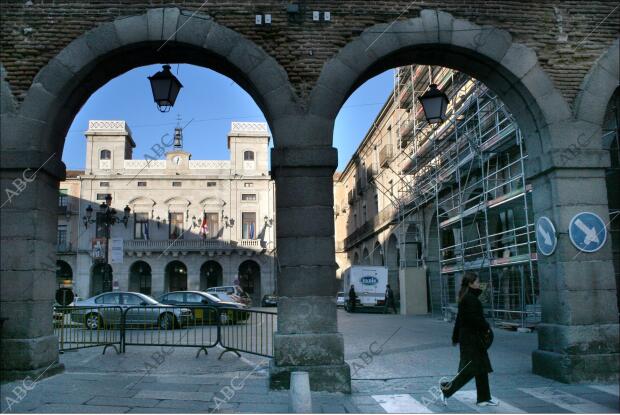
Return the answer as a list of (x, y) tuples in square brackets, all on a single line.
[(385, 155), (63, 247), (351, 197), (191, 245)]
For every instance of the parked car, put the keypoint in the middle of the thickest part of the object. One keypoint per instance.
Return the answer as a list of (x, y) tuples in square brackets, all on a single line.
[(105, 310), (340, 299), (198, 298), (234, 292), (269, 300)]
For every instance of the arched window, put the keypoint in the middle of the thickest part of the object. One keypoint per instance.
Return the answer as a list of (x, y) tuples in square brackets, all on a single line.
[(248, 156), (105, 155)]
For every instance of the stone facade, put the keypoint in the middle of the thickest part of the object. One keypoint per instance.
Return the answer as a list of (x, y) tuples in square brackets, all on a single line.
[(556, 68), (236, 196)]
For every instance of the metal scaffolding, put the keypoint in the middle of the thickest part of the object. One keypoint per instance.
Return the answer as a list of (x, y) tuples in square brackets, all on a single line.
[(471, 168)]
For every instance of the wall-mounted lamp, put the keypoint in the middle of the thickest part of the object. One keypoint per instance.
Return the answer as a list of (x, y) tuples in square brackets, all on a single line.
[(268, 222), (229, 223), (158, 221), (194, 223)]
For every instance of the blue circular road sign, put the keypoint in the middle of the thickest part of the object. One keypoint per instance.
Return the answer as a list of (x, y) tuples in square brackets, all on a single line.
[(587, 232), (546, 239)]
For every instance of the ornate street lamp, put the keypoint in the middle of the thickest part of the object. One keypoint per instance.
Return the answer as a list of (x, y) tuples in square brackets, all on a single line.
[(434, 102), (165, 87), (107, 218)]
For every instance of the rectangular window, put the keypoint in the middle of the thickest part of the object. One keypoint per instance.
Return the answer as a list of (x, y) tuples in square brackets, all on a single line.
[(248, 221), (141, 225), (102, 196), (176, 225), (247, 197), (176, 184), (211, 184), (104, 184), (213, 226), (62, 236), (248, 184), (63, 198), (141, 184)]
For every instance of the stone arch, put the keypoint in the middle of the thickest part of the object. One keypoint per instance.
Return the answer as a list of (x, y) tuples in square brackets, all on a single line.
[(64, 274), (175, 276), (140, 277), (211, 275), (378, 255), (101, 277), (365, 260), (486, 53), (598, 87), (62, 86), (250, 279)]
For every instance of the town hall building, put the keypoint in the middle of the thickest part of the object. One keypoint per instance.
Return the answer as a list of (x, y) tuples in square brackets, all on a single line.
[(173, 223)]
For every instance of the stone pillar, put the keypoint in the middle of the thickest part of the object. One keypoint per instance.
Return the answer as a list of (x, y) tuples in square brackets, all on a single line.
[(307, 338), (578, 338), (192, 261), (157, 279), (28, 263)]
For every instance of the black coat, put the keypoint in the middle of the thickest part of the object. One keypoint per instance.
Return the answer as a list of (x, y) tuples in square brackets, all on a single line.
[(468, 329)]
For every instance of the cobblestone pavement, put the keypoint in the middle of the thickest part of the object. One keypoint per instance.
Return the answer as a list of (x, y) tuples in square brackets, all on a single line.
[(396, 362)]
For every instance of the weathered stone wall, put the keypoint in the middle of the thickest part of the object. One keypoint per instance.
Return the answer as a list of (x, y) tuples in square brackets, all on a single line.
[(567, 36)]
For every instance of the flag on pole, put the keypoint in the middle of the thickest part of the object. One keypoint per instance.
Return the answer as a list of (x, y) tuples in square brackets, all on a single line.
[(146, 230), (204, 226)]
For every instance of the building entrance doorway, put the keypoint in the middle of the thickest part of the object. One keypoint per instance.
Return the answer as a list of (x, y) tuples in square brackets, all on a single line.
[(176, 276), (100, 280), (249, 280), (210, 275), (140, 277)]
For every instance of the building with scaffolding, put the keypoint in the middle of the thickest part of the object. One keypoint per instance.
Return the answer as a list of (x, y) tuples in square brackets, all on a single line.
[(443, 200)]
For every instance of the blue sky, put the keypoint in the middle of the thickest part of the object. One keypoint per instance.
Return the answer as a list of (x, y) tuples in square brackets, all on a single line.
[(213, 101)]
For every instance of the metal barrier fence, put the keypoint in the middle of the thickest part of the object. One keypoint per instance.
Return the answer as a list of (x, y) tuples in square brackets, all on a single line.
[(255, 336), (235, 330), (82, 327)]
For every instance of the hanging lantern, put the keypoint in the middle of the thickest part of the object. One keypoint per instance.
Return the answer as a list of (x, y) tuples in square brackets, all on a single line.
[(165, 87), (434, 102)]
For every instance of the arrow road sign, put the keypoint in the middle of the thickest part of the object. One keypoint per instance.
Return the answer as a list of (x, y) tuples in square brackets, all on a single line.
[(546, 239), (587, 232)]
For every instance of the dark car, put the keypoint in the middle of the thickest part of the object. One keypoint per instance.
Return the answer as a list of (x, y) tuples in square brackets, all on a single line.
[(269, 300), (234, 312)]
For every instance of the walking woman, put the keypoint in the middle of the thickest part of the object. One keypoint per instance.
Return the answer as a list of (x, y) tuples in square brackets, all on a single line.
[(473, 334)]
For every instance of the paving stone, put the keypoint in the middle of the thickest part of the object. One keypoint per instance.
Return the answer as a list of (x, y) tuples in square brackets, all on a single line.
[(186, 405), (80, 409), (371, 409), (263, 408), (105, 400), (190, 396), (177, 387), (332, 409)]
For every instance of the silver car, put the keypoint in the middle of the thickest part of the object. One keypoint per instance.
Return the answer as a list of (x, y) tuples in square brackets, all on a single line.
[(105, 309)]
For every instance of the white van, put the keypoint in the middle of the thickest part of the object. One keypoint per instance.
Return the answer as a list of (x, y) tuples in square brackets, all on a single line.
[(369, 283)]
